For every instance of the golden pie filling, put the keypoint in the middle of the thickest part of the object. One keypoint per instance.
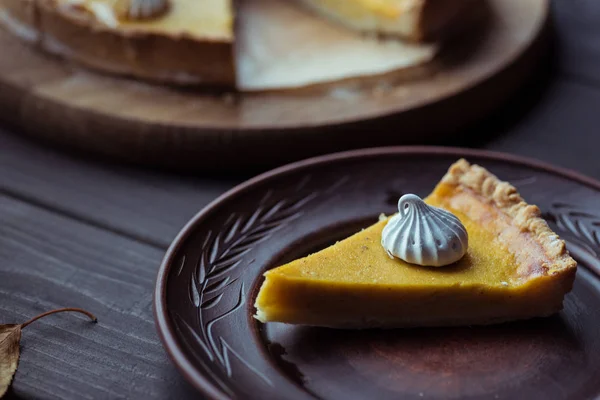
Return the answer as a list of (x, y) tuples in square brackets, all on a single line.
[(507, 273)]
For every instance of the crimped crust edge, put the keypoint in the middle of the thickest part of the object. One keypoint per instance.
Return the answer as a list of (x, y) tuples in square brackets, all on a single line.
[(506, 198)]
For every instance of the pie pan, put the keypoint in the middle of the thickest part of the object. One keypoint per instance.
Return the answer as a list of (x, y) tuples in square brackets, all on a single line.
[(210, 275)]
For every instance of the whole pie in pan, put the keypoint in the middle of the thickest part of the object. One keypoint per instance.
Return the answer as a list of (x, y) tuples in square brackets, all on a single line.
[(515, 268)]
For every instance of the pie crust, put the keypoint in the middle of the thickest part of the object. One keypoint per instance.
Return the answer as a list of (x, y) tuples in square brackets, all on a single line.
[(527, 218)]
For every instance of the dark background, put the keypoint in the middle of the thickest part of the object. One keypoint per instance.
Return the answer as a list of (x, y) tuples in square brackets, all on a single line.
[(80, 232)]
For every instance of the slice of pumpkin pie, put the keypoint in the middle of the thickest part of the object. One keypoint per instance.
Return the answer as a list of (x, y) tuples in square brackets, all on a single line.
[(511, 265)]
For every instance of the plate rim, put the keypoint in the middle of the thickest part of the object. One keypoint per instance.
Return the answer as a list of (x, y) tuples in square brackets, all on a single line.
[(164, 327)]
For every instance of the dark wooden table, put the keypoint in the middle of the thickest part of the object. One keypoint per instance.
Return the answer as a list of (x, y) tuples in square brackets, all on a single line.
[(75, 232)]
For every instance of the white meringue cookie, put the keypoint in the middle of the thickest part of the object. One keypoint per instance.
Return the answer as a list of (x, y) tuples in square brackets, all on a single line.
[(424, 235)]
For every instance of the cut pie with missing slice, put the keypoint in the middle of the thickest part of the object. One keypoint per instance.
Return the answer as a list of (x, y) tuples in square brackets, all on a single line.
[(195, 42), (515, 268)]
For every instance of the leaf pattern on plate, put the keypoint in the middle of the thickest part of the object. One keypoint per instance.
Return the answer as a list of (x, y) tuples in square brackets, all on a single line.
[(583, 226), (220, 265)]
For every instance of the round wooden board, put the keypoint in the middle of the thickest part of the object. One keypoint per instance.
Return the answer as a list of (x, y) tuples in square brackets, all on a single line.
[(184, 128)]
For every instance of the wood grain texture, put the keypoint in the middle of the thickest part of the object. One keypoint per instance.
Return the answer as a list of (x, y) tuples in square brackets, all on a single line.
[(49, 261), (560, 128), (578, 30), (147, 206), (153, 207), (160, 126)]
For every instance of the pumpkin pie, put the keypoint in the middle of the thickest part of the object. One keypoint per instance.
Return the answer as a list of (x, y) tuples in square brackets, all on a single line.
[(515, 268)]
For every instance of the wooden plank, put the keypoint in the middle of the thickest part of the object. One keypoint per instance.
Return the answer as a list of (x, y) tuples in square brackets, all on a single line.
[(560, 128), (148, 206), (578, 28), (49, 261), (152, 206)]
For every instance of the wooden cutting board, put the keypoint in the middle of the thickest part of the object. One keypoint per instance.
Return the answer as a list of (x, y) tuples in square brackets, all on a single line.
[(194, 130)]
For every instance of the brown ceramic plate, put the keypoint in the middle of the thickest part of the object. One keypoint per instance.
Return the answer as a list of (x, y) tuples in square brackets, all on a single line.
[(210, 275)]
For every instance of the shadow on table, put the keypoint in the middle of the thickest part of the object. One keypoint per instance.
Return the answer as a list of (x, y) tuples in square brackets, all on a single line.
[(11, 395), (477, 134), (520, 103)]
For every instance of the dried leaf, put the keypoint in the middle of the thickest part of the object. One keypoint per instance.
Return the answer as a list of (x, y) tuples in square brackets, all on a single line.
[(10, 337)]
